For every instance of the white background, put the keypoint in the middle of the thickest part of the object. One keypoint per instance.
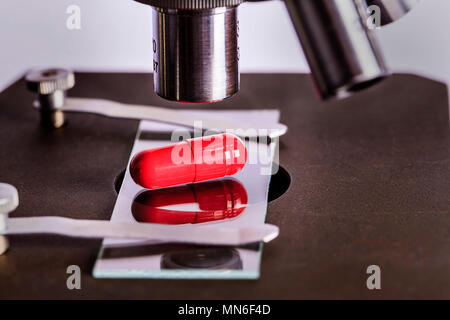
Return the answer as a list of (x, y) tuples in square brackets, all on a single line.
[(116, 36)]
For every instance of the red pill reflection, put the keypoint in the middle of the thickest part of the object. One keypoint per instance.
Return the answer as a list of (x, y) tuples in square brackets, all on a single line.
[(192, 203)]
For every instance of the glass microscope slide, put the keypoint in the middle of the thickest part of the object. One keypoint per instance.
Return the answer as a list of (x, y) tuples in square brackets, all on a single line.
[(237, 201)]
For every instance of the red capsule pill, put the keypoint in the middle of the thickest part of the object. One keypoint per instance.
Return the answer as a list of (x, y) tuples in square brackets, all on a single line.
[(189, 161), (211, 201)]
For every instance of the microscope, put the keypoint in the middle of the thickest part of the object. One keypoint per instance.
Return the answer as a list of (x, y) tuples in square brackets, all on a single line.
[(196, 48), (196, 56), (365, 172)]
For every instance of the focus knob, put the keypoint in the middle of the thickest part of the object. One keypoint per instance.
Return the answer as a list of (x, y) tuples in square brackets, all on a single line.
[(51, 86), (47, 81), (9, 200)]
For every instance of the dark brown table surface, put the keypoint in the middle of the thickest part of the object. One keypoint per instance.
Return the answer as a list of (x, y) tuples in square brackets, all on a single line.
[(370, 185)]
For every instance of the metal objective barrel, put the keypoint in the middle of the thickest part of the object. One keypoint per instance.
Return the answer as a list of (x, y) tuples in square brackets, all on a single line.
[(342, 52), (195, 49)]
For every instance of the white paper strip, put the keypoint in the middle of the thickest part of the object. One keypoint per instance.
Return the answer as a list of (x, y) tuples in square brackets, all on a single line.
[(124, 230), (118, 110)]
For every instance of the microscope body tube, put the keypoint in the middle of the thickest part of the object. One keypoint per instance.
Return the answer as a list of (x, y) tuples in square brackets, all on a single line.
[(343, 54), (196, 54)]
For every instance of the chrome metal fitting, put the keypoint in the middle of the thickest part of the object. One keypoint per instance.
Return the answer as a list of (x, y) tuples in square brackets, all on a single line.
[(51, 86), (195, 49), (191, 4), (9, 200), (343, 54), (392, 10)]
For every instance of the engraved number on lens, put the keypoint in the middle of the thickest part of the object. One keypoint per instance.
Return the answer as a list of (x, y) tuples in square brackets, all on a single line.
[(155, 63)]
